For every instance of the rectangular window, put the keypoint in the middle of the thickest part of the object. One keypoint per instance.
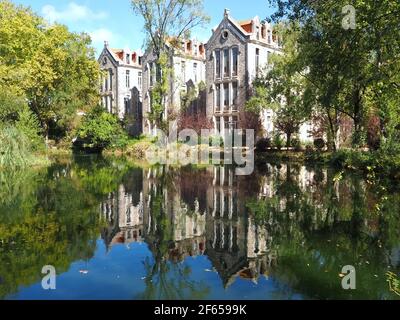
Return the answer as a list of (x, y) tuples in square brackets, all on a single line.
[(235, 61), (110, 79), (195, 72), (218, 64), (183, 72), (140, 80), (218, 97), (151, 73), (218, 124), (128, 60), (128, 79), (234, 123), (226, 95), (226, 63), (257, 61), (234, 93), (126, 105), (226, 123)]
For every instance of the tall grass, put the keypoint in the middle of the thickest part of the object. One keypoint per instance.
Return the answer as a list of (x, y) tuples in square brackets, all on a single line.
[(15, 151)]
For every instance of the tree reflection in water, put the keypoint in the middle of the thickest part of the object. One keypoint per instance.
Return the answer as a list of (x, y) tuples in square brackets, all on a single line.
[(294, 225)]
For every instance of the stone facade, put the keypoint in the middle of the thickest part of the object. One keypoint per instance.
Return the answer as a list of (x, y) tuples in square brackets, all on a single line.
[(188, 71), (236, 52), (226, 66), (121, 84)]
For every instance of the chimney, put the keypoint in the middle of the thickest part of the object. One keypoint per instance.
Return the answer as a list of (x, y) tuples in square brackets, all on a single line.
[(226, 13)]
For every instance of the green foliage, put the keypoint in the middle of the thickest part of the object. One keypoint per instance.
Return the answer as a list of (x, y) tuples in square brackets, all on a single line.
[(277, 141), (29, 125), (14, 148), (296, 144), (348, 72), (54, 69), (101, 130), (138, 149), (14, 112), (281, 87)]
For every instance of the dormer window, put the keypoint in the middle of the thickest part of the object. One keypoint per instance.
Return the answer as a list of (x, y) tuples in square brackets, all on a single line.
[(263, 31)]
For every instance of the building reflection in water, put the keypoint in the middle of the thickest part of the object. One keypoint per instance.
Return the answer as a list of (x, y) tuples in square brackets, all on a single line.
[(207, 213), (206, 217)]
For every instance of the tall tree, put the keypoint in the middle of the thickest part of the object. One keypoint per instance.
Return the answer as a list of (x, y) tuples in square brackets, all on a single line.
[(53, 68), (282, 87), (166, 22), (347, 64)]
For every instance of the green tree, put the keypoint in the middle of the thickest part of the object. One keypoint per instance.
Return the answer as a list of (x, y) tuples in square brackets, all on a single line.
[(53, 68), (282, 87), (348, 69), (100, 130), (166, 22)]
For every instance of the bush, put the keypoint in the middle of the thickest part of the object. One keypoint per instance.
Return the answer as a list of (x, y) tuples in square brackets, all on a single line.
[(263, 144), (14, 148), (101, 130), (296, 144), (138, 150), (29, 125), (278, 141), (319, 144)]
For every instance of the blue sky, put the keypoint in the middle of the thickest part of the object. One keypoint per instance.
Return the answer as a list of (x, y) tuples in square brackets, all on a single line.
[(113, 20)]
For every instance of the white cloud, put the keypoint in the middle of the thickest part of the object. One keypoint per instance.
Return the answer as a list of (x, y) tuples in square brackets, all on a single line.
[(101, 35), (72, 13)]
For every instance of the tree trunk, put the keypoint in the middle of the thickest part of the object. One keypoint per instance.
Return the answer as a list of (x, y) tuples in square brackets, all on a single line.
[(288, 140)]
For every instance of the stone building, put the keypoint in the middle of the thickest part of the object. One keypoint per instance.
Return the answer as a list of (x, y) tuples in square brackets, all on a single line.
[(121, 84), (236, 53), (187, 61)]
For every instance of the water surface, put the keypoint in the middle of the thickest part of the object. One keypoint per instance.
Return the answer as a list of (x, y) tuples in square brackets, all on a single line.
[(113, 231)]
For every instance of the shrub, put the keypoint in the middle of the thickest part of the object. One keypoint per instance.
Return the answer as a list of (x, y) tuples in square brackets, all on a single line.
[(319, 144), (263, 144), (101, 130), (14, 148), (138, 150), (296, 144), (278, 141), (29, 125)]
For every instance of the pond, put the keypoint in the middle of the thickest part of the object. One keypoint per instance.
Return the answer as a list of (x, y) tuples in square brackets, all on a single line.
[(115, 231)]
